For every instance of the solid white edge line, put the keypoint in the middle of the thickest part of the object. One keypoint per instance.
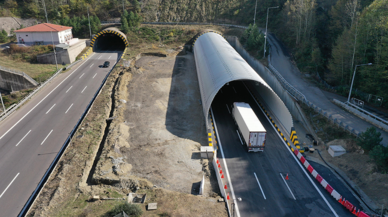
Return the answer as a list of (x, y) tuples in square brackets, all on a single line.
[(91, 65), (297, 161), (260, 186), (69, 108), (94, 75), (227, 108), (81, 75), (69, 89), (234, 90), (226, 167), (239, 137), (50, 109), (287, 186), (9, 185), (84, 89), (46, 137), (23, 138), (42, 99)]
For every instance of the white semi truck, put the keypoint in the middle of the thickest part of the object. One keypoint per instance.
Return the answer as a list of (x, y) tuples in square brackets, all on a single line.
[(252, 131)]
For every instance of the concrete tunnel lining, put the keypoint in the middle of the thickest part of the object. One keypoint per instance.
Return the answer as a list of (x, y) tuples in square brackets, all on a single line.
[(218, 63), (111, 31)]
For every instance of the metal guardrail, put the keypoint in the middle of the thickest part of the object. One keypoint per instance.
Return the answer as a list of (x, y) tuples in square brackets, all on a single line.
[(368, 113), (19, 73)]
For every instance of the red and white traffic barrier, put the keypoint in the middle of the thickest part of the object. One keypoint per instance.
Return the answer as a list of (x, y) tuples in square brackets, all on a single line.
[(328, 187)]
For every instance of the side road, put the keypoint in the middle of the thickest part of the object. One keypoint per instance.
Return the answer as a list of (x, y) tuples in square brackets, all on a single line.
[(280, 59)]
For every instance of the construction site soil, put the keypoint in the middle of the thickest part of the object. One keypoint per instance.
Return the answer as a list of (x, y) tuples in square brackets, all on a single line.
[(149, 145)]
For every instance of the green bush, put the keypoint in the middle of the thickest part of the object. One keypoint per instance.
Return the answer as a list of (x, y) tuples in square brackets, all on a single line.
[(369, 139), (380, 155), (132, 210)]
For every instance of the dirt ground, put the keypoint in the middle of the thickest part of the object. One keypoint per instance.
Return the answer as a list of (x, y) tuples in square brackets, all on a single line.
[(359, 168), (150, 145)]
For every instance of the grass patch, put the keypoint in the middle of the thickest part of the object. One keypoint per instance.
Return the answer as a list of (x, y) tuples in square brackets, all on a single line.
[(15, 97)]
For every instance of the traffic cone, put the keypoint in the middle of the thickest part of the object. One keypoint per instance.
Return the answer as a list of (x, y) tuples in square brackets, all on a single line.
[(354, 211), (225, 187), (220, 171), (358, 213), (227, 197), (340, 200), (222, 176), (218, 162), (287, 176), (219, 165), (343, 201)]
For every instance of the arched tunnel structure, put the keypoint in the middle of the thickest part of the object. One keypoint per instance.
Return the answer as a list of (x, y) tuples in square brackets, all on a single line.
[(109, 39), (218, 64)]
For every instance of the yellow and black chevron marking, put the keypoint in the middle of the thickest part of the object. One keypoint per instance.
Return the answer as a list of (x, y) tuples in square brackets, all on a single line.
[(205, 33), (108, 31), (88, 52), (125, 50), (293, 133), (211, 133)]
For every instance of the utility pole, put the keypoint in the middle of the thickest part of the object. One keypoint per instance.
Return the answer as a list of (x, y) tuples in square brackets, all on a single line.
[(265, 36), (123, 6), (254, 16), (55, 55), (90, 30), (354, 74)]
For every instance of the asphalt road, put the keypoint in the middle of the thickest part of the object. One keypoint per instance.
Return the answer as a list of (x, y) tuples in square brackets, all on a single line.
[(32, 136), (275, 199)]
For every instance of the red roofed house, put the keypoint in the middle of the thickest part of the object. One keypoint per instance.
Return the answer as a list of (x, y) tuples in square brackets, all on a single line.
[(41, 34)]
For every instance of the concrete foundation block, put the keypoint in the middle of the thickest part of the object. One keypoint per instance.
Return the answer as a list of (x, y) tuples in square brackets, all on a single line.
[(336, 150)]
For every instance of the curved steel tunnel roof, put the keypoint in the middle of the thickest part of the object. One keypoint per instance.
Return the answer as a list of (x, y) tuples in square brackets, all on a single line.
[(111, 30), (218, 63)]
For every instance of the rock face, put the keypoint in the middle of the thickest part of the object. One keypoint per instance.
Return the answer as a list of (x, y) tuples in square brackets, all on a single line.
[(7, 23)]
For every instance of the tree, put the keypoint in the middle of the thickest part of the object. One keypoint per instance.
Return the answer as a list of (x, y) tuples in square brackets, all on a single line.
[(124, 25), (380, 155), (129, 208), (3, 36), (369, 139)]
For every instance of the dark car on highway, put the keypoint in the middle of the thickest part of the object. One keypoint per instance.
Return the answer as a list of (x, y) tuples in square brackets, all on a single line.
[(106, 64)]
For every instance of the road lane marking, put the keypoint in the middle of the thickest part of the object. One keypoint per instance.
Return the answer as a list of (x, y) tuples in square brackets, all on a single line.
[(91, 65), (100, 56), (46, 137), (42, 99), (9, 185), (239, 137), (234, 90), (84, 89), (23, 138), (69, 108), (50, 109), (81, 75), (297, 161), (260, 186), (109, 56), (226, 167), (94, 75), (69, 89), (287, 186), (227, 108)]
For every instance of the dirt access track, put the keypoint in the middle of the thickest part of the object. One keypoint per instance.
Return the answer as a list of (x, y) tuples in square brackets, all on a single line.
[(150, 144)]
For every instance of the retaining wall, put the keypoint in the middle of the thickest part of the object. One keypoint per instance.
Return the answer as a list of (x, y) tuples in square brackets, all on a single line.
[(64, 56), (15, 81)]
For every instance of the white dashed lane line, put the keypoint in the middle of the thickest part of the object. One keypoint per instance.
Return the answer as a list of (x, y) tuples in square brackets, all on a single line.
[(23, 138), (84, 89), (46, 137)]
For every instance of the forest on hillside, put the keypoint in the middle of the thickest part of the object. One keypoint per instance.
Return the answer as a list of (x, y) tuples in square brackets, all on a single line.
[(326, 37)]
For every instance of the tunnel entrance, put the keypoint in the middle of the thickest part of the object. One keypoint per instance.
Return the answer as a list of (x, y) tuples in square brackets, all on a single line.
[(109, 39), (109, 42)]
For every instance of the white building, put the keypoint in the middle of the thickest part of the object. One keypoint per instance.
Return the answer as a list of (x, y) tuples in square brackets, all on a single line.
[(44, 33)]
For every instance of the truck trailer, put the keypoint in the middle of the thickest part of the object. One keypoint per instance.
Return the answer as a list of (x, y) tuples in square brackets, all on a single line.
[(251, 130)]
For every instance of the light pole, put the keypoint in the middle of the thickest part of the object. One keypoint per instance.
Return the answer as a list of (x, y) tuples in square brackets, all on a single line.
[(266, 25), (233, 205), (55, 55), (1, 98), (254, 16), (354, 73), (90, 30)]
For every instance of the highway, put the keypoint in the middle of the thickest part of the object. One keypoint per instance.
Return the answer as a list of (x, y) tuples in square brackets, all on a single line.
[(32, 136), (258, 178)]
